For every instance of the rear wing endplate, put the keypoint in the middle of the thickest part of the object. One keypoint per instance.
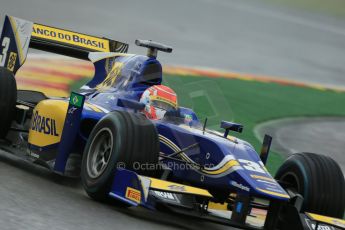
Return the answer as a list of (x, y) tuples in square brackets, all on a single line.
[(18, 35)]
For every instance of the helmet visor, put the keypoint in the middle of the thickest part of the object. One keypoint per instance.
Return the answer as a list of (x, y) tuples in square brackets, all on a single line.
[(162, 105)]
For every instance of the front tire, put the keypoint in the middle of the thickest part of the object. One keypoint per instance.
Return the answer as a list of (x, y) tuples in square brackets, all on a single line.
[(119, 139), (318, 179)]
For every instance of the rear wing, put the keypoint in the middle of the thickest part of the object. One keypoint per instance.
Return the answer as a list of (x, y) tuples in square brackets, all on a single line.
[(19, 35)]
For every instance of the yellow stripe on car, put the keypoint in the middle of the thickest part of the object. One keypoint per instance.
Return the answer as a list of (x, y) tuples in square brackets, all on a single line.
[(223, 169), (173, 146), (328, 220), (19, 45), (69, 37), (227, 166), (93, 107), (262, 177), (273, 193), (177, 188), (217, 206)]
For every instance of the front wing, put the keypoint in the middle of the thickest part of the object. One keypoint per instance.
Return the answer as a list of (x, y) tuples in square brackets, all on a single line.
[(137, 190)]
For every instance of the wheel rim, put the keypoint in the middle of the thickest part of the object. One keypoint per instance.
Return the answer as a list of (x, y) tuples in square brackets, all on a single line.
[(292, 180), (99, 153)]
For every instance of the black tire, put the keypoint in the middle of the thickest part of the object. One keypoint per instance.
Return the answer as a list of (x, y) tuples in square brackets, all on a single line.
[(8, 99), (318, 179), (135, 139)]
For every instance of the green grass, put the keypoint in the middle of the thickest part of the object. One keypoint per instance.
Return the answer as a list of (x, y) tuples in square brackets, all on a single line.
[(331, 7), (250, 102)]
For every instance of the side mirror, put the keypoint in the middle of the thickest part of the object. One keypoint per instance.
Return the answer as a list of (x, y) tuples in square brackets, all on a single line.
[(131, 104), (231, 126), (265, 149)]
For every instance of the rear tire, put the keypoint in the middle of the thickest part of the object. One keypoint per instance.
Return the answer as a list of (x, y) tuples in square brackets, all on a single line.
[(129, 138), (318, 179), (8, 99)]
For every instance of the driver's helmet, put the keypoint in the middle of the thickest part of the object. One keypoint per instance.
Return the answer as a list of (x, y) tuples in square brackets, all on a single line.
[(158, 99)]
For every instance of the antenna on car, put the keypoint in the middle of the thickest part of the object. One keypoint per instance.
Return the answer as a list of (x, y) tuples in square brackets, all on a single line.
[(203, 129), (153, 47)]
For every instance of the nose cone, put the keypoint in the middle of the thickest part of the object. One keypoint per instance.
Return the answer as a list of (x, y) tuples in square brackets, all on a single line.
[(253, 177), (259, 184)]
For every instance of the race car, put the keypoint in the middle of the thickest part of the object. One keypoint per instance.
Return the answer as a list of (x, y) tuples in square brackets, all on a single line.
[(131, 143)]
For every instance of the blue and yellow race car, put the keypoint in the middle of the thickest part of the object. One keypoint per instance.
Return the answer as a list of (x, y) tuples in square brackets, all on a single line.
[(131, 143)]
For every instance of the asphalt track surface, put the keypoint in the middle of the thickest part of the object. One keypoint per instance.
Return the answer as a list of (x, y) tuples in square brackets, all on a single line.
[(313, 136), (239, 35), (31, 198)]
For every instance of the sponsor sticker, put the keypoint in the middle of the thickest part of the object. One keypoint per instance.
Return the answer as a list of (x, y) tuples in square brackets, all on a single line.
[(240, 186), (165, 195), (72, 110), (69, 37), (312, 225), (42, 124), (178, 188), (133, 194), (11, 61), (76, 100)]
